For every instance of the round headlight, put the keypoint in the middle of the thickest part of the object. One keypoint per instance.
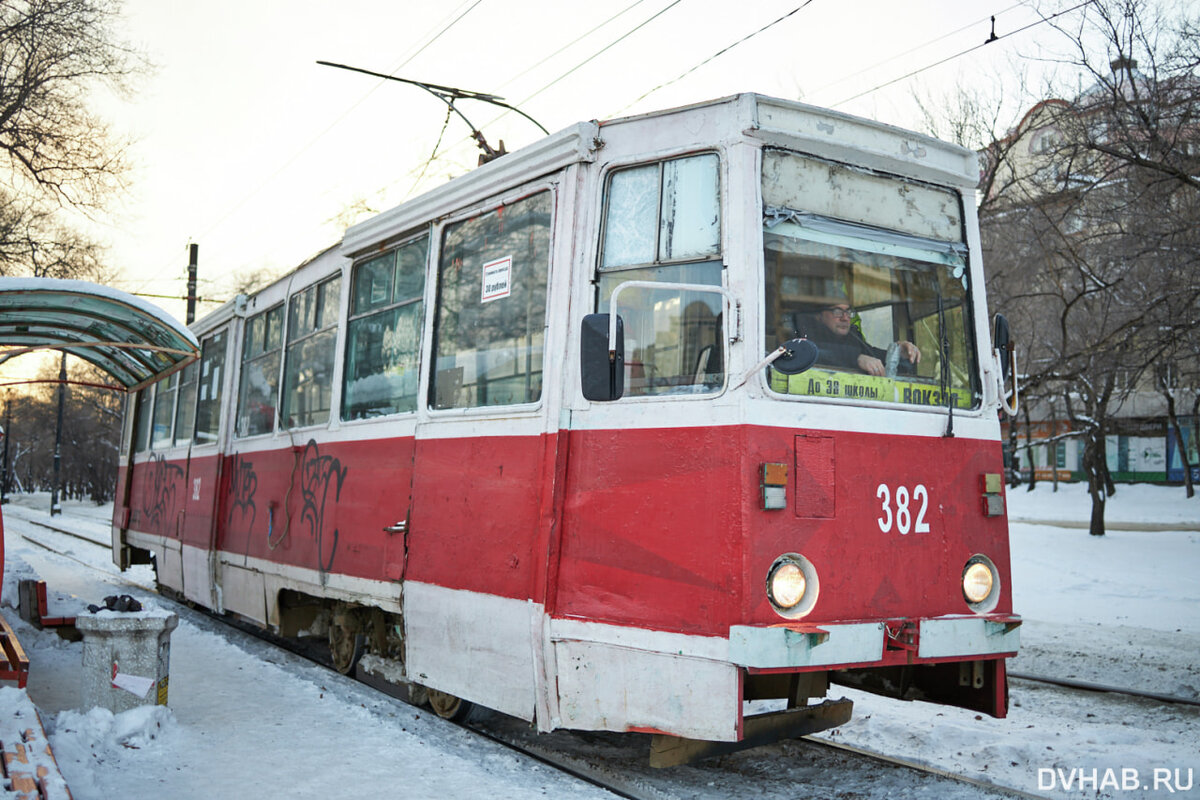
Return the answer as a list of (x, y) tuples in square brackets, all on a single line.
[(981, 584), (977, 583), (787, 585), (792, 586)]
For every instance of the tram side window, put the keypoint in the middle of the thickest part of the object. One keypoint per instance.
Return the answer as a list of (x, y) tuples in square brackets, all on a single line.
[(491, 308), (312, 335), (164, 411), (259, 387), (185, 408), (142, 434), (663, 223), (663, 212), (208, 395), (383, 338)]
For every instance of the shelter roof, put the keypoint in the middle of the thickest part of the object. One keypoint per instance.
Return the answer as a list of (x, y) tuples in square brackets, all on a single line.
[(135, 342)]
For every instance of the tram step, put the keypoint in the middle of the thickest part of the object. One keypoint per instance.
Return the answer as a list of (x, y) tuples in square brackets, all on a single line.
[(673, 751)]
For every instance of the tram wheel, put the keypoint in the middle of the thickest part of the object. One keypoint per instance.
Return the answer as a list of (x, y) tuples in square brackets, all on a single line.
[(346, 641), (448, 706)]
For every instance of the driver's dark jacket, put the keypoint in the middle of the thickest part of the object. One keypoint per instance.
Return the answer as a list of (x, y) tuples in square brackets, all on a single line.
[(835, 350)]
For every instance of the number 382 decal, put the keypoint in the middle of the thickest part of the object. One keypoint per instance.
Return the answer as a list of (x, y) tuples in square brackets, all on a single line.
[(904, 518)]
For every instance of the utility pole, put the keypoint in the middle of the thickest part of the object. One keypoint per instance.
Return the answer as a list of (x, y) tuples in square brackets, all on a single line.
[(55, 508), (7, 427), (193, 258)]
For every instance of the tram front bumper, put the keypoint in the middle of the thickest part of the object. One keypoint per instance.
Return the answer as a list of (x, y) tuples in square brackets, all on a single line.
[(849, 644)]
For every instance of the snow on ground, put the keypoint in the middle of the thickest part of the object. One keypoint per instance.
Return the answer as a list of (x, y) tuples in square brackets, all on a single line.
[(246, 719), (1121, 610)]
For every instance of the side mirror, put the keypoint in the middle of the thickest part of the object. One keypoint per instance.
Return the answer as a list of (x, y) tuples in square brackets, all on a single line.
[(799, 355), (602, 369), (1002, 340)]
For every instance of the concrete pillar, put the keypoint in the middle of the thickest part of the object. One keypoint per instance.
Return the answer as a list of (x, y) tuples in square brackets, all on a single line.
[(124, 655)]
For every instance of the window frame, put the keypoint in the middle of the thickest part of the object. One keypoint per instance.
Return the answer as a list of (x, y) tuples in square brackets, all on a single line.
[(733, 326), (143, 402), (242, 361), (614, 169), (184, 383), (969, 304), (433, 297), (172, 381), (287, 344), (428, 276), (221, 399)]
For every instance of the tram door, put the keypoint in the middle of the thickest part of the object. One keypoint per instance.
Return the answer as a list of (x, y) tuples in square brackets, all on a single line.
[(200, 401), (481, 461)]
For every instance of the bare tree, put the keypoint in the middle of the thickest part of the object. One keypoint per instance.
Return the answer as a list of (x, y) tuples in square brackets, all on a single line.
[(90, 436), (55, 151), (1090, 221)]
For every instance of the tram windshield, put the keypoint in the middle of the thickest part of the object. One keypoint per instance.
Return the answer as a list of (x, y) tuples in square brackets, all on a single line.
[(873, 270)]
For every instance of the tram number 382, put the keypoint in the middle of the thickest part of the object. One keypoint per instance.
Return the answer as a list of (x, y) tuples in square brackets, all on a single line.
[(903, 518)]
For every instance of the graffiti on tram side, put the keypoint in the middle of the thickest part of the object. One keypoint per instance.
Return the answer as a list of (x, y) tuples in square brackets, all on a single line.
[(320, 474), (243, 484), (158, 492)]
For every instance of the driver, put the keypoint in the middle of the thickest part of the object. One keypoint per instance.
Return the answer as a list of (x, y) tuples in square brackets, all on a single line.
[(842, 344)]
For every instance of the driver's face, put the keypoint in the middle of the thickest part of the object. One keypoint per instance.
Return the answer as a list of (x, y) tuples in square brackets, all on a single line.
[(837, 319)]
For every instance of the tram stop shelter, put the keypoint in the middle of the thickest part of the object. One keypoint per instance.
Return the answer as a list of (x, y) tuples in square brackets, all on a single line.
[(133, 342)]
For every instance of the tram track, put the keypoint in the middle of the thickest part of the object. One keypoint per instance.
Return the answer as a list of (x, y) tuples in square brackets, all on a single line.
[(594, 769), (1089, 686)]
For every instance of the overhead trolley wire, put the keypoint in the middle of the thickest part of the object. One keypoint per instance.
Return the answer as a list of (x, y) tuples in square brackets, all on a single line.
[(719, 53), (295, 156), (993, 38), (912, 50), (437, 36), (603, 50), (587, 60), (569, 44)]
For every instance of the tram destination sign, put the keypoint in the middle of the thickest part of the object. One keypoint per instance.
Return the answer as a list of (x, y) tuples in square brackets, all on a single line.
[(851, 386)]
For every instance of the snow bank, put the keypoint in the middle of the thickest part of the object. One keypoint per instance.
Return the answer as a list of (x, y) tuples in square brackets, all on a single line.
[(1137, 503), (84, 742)]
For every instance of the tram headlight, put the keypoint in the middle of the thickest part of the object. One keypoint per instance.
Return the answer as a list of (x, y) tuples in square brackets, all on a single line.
[(792, 585), (787, 585), (980, 584)]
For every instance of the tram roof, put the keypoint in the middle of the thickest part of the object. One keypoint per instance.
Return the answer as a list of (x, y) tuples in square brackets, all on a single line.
[(134, 342), (772, 121)]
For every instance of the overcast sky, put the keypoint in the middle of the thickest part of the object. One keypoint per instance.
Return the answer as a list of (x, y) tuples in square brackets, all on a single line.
[(246, 146)]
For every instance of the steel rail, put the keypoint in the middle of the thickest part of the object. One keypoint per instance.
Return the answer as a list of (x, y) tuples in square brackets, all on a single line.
[(925, 768), (1088, 686)]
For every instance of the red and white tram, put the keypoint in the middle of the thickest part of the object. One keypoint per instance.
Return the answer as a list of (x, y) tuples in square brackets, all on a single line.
[(528, 440)]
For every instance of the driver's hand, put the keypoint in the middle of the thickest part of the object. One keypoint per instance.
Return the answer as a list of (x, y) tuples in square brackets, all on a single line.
[(911, 352), (870, 365)]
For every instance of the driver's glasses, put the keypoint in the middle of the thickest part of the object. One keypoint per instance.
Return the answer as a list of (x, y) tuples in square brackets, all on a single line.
[(843, 313)]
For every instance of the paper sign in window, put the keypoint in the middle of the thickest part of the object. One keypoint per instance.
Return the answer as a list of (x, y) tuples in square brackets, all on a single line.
[(497, 279)]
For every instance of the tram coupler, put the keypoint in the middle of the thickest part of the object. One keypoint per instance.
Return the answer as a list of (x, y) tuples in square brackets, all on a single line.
[(902, 635), (758, 730)]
